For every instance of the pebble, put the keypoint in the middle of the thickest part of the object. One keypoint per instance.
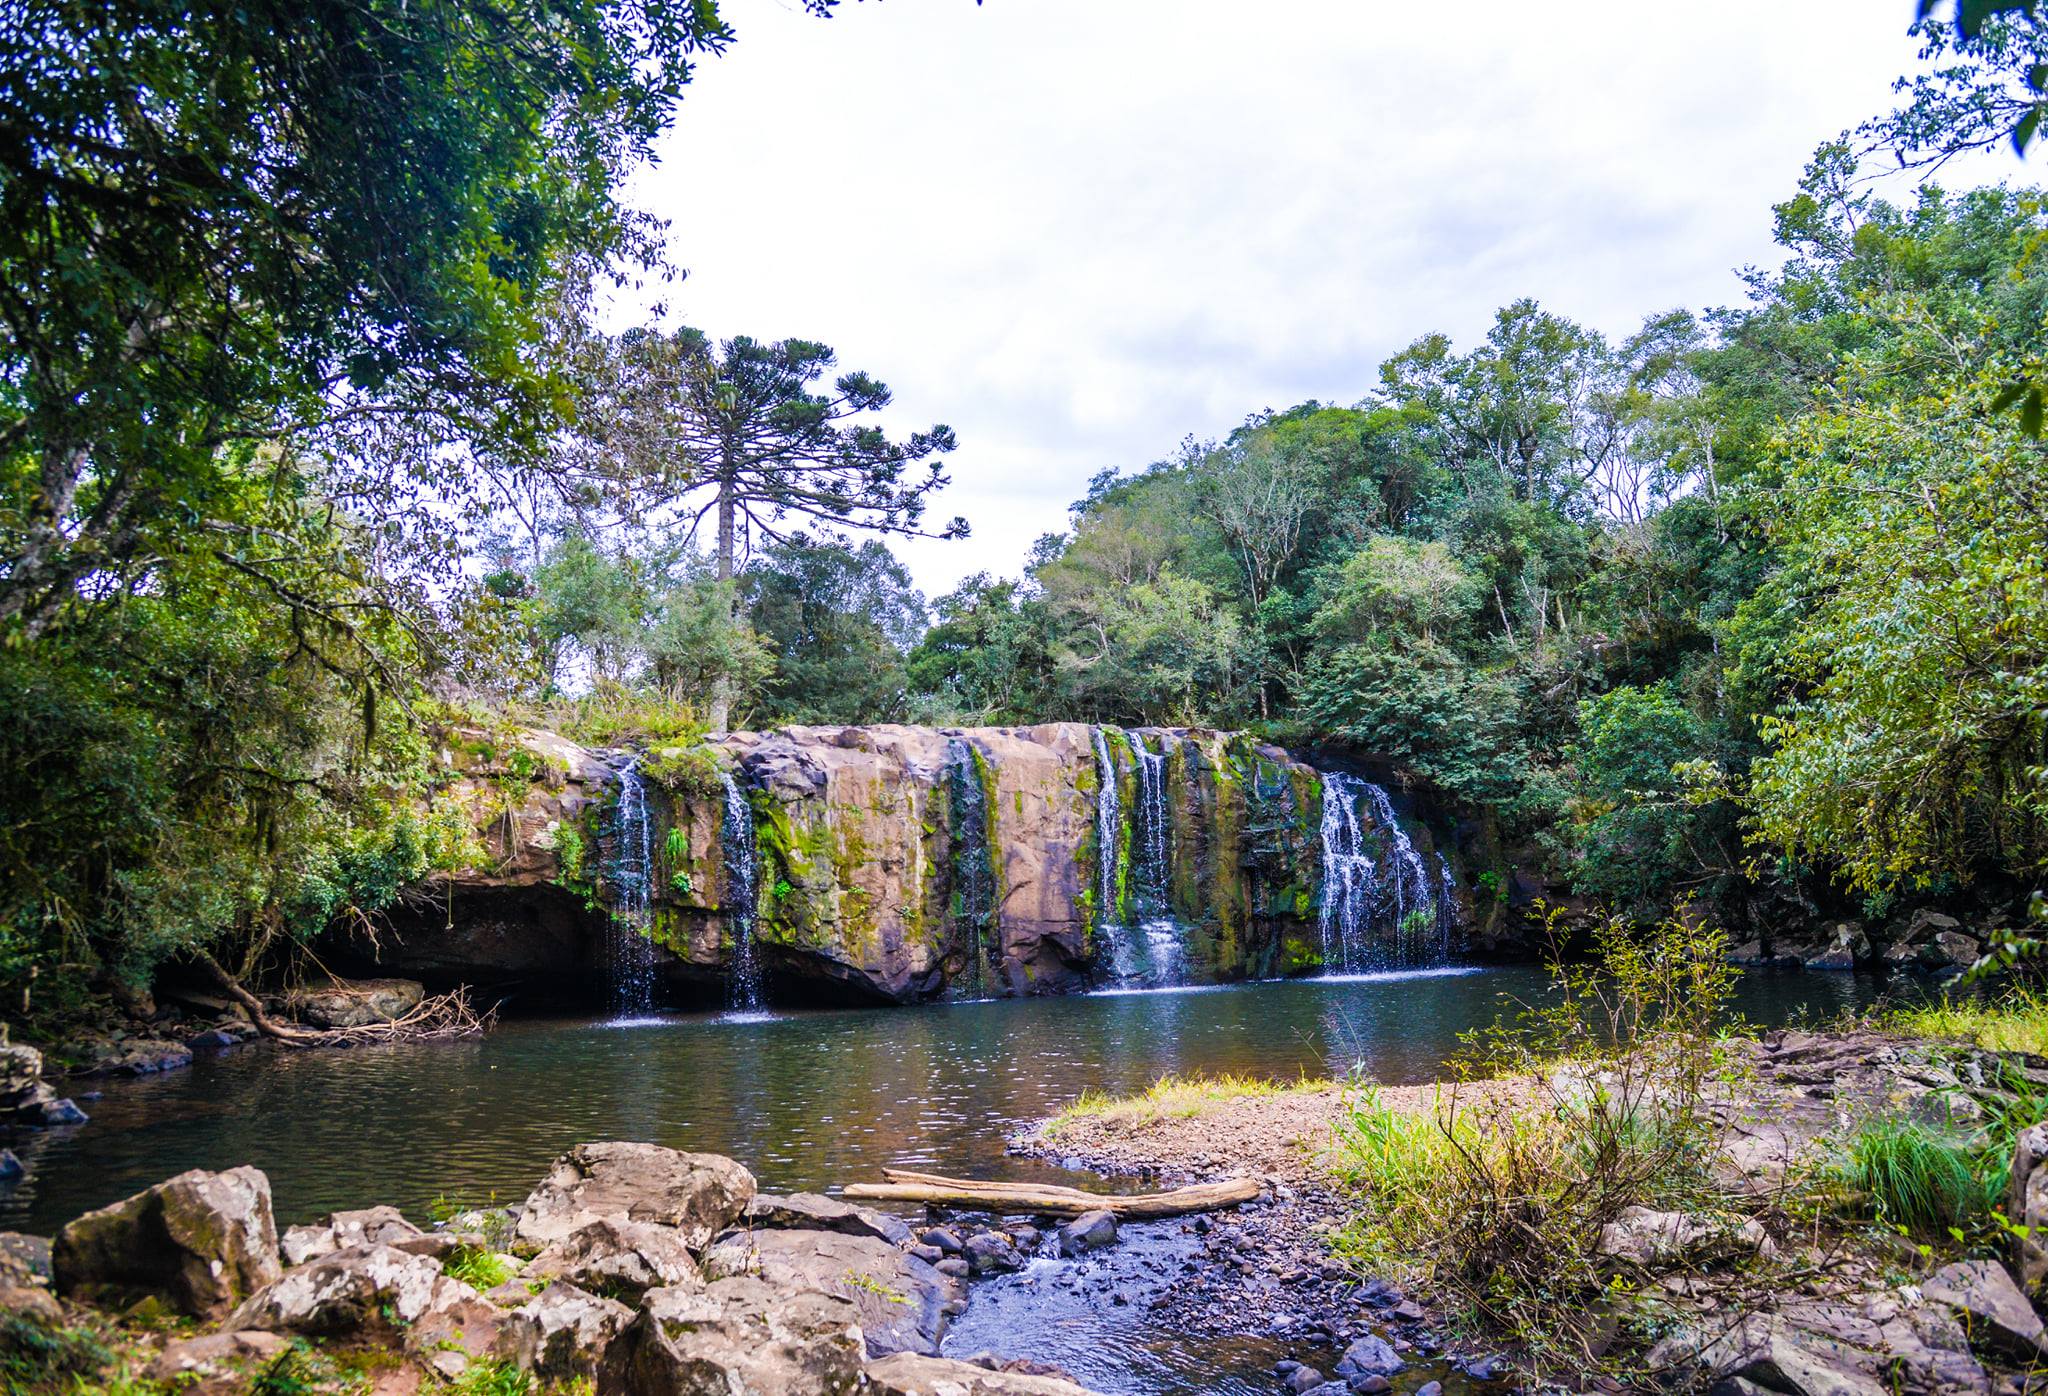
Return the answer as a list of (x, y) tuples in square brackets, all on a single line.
[(1430, 1388)]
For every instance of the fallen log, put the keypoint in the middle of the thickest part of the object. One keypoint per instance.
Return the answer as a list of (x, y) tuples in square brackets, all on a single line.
[(1050, 1199)]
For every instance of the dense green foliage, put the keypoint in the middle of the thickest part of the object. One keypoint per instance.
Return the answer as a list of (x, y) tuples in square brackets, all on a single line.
[(309, 452)]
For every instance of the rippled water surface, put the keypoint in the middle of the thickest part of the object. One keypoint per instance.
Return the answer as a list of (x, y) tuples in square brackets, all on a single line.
[(807, 1100)]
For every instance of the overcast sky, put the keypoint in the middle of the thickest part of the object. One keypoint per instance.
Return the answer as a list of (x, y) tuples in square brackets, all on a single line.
[(1079, 230)]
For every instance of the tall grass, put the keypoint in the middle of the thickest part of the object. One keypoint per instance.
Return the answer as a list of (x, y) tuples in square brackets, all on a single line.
[(1913, 1178), (2015, 1022)]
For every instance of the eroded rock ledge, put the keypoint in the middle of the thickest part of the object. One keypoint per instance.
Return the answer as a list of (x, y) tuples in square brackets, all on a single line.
[(893, 863)]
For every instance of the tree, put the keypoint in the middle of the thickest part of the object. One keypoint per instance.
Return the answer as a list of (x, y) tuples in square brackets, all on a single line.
[(223, 225), (839, 620), (735, 430)]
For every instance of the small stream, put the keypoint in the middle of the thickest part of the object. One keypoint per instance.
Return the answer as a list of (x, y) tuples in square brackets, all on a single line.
[(807, 1100)]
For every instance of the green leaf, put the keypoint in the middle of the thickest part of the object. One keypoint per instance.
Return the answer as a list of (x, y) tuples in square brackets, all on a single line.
[(2024, 131)]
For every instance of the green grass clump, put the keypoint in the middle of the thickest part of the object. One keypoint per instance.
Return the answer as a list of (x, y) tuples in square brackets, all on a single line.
[(35, 1357), (2017, 1022), (492, 1379), (1172, 1097), (1911, 1177), (479, 1269)]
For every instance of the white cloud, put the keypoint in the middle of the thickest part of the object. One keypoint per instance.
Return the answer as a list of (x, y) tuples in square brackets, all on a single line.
[(1078, 230)]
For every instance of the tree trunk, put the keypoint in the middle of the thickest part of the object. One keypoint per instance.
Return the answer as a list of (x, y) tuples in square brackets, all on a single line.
[(905, 1186), (721, 688)]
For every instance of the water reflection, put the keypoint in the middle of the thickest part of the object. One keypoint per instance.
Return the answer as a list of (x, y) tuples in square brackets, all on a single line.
[(808, 1100)]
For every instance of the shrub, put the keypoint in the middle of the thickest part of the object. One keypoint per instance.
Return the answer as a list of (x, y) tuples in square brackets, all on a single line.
[(1561, 1119)]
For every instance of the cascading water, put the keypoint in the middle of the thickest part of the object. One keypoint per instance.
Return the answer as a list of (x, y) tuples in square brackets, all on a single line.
[(1447, 912), (974, 875), (736, 842), (1371, 906), (1152, 876), (1348, 877), (1109, 838), (628, 951)]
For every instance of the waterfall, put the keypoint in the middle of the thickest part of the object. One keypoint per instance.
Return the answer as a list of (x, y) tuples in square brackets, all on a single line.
[(1447, 910), (1348, 877), (1374, 905), (1109, 838), (736, 842), (974, 876), (1160, 961), (628, 951)]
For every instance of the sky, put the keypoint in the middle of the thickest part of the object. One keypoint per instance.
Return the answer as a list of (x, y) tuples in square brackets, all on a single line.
[(1078, 231)]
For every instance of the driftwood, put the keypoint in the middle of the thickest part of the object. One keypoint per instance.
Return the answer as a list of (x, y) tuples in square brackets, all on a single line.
[(1051, 1200), (435, 1017)]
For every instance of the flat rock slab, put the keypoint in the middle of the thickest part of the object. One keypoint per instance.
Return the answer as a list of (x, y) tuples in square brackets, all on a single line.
[(1995, 1314), (200, 1242), (909, 1374), (899, 1298), (810, 1211), (736, 1335), (698, 1194)]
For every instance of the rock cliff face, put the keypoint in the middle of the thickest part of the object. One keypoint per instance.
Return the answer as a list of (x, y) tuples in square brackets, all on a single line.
[(888, 862)]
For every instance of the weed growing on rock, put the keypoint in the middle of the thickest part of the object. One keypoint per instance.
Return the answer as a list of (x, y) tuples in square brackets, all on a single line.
[(479, 1269)]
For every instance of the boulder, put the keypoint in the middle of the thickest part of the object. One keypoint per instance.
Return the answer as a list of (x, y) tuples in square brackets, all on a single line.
[(899, 1299), (2026, 1206), (990, 1252), (810, 1211), (354, 1003), (910, 1374), (561, 1332), (1996, 1315), (1087, 1232), (737, 1335), (1369, 1356), (617, 1256), (201, 1242), (1951, 950), (134, 1056), (1821, 1348), (698, 1194), (370, 1226), (221, 1358), (25, 1098), (1925, 925), (1657, 1240), (382, 1291)]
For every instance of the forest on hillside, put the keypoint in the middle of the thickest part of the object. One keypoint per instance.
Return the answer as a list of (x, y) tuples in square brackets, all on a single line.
[(1749, 604)]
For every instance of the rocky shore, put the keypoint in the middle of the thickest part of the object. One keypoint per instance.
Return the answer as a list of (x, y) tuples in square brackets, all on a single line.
[(1763, 1294), (630, 1269)]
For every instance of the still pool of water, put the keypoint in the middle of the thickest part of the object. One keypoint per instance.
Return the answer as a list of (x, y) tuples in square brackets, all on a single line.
[(807, 1100)]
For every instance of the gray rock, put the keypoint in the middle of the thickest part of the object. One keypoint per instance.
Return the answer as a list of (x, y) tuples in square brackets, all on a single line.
[(201, 1242), (930, 1255), (736, 1335), (899, 1300), (1925, 924), (355, 1003), (1369, 1356), (214, 1356), (1952, 950), (61, 1112), (1996, 1314), (1657, 1239), (988, 1252), (909, 1374), (1087, 1232), (616, 1256), (810, 1211), (1430, 1388), (953, 1266), (561, 1332), (362, 1288), (698, 1194), (944, 1238), (2026, 1205), (1303, 1379), (371, 1226), (11, 1167)]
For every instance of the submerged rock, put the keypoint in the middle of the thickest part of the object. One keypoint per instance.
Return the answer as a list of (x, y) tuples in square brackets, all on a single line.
[(698, 1194), (200, 1241), (736, 1335)]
